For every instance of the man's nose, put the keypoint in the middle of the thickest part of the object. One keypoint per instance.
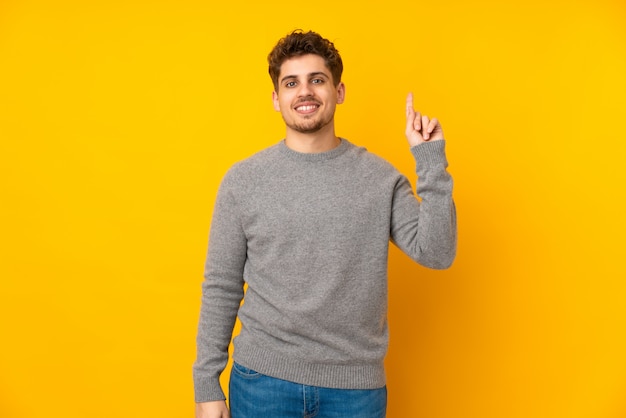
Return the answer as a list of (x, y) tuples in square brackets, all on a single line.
[(305, 90)]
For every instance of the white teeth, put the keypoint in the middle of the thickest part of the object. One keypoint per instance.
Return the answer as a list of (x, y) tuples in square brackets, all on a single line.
[(306, 108)]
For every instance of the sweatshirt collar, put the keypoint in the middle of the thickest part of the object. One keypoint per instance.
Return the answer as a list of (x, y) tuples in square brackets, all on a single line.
[(317, 156)]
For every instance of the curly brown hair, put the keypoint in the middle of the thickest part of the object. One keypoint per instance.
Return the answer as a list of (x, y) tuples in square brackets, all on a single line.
[(299, 43)]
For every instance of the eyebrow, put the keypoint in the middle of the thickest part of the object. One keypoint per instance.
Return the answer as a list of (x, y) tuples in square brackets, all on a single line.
[(313, 74)]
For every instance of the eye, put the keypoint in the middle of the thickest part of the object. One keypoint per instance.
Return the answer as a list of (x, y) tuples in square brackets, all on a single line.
[(290, 84), (317, 81)]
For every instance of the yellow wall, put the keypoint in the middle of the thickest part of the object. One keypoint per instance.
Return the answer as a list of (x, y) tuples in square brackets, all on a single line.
[(118, 119)]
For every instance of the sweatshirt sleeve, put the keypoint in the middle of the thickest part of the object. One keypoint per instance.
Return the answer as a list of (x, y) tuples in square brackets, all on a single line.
[(222, 292), (426, 231)]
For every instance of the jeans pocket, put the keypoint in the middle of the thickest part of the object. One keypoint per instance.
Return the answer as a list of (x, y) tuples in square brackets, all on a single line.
[(245, 372)]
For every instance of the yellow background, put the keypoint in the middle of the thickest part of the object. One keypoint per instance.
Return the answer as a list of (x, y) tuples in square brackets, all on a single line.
[(119, 118)]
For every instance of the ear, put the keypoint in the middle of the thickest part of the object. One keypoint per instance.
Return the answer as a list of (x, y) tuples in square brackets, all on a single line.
[(341, 93), (275, 101)]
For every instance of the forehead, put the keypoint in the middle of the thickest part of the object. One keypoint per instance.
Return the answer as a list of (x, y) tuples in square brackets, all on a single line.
[(303, 65)]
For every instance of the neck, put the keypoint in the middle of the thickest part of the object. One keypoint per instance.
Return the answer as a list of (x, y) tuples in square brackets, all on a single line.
[(320, 141)]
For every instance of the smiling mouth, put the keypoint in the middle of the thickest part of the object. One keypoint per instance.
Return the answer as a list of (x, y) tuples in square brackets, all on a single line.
[(306, 108)]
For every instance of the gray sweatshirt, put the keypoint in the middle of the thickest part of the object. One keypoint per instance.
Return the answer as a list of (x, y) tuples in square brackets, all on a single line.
[(309, 234)]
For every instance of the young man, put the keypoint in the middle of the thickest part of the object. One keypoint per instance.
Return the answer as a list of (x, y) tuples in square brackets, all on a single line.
[(306, 224)]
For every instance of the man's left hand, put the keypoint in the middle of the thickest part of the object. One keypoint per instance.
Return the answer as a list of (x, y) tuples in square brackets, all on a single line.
[(419, 128)]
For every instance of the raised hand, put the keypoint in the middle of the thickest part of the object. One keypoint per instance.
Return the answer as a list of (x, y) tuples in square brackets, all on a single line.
[(419, 128)]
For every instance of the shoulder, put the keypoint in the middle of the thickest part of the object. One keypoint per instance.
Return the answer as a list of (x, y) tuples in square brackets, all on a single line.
[(370, 162), (256, 161), (249, 170)]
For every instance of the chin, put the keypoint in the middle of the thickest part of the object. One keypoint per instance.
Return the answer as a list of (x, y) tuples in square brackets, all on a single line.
[(307, 129)]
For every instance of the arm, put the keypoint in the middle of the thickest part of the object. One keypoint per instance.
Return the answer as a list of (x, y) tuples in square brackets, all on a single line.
[(426, 230), (222, 292)]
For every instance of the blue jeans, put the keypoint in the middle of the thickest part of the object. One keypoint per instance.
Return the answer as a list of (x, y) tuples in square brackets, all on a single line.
[(254, 395)]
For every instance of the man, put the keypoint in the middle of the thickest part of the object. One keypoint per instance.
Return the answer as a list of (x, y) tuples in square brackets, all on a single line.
[(307, 223)]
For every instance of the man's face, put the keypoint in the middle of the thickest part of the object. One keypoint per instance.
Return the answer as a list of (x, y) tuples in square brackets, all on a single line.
[(306, 95)]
